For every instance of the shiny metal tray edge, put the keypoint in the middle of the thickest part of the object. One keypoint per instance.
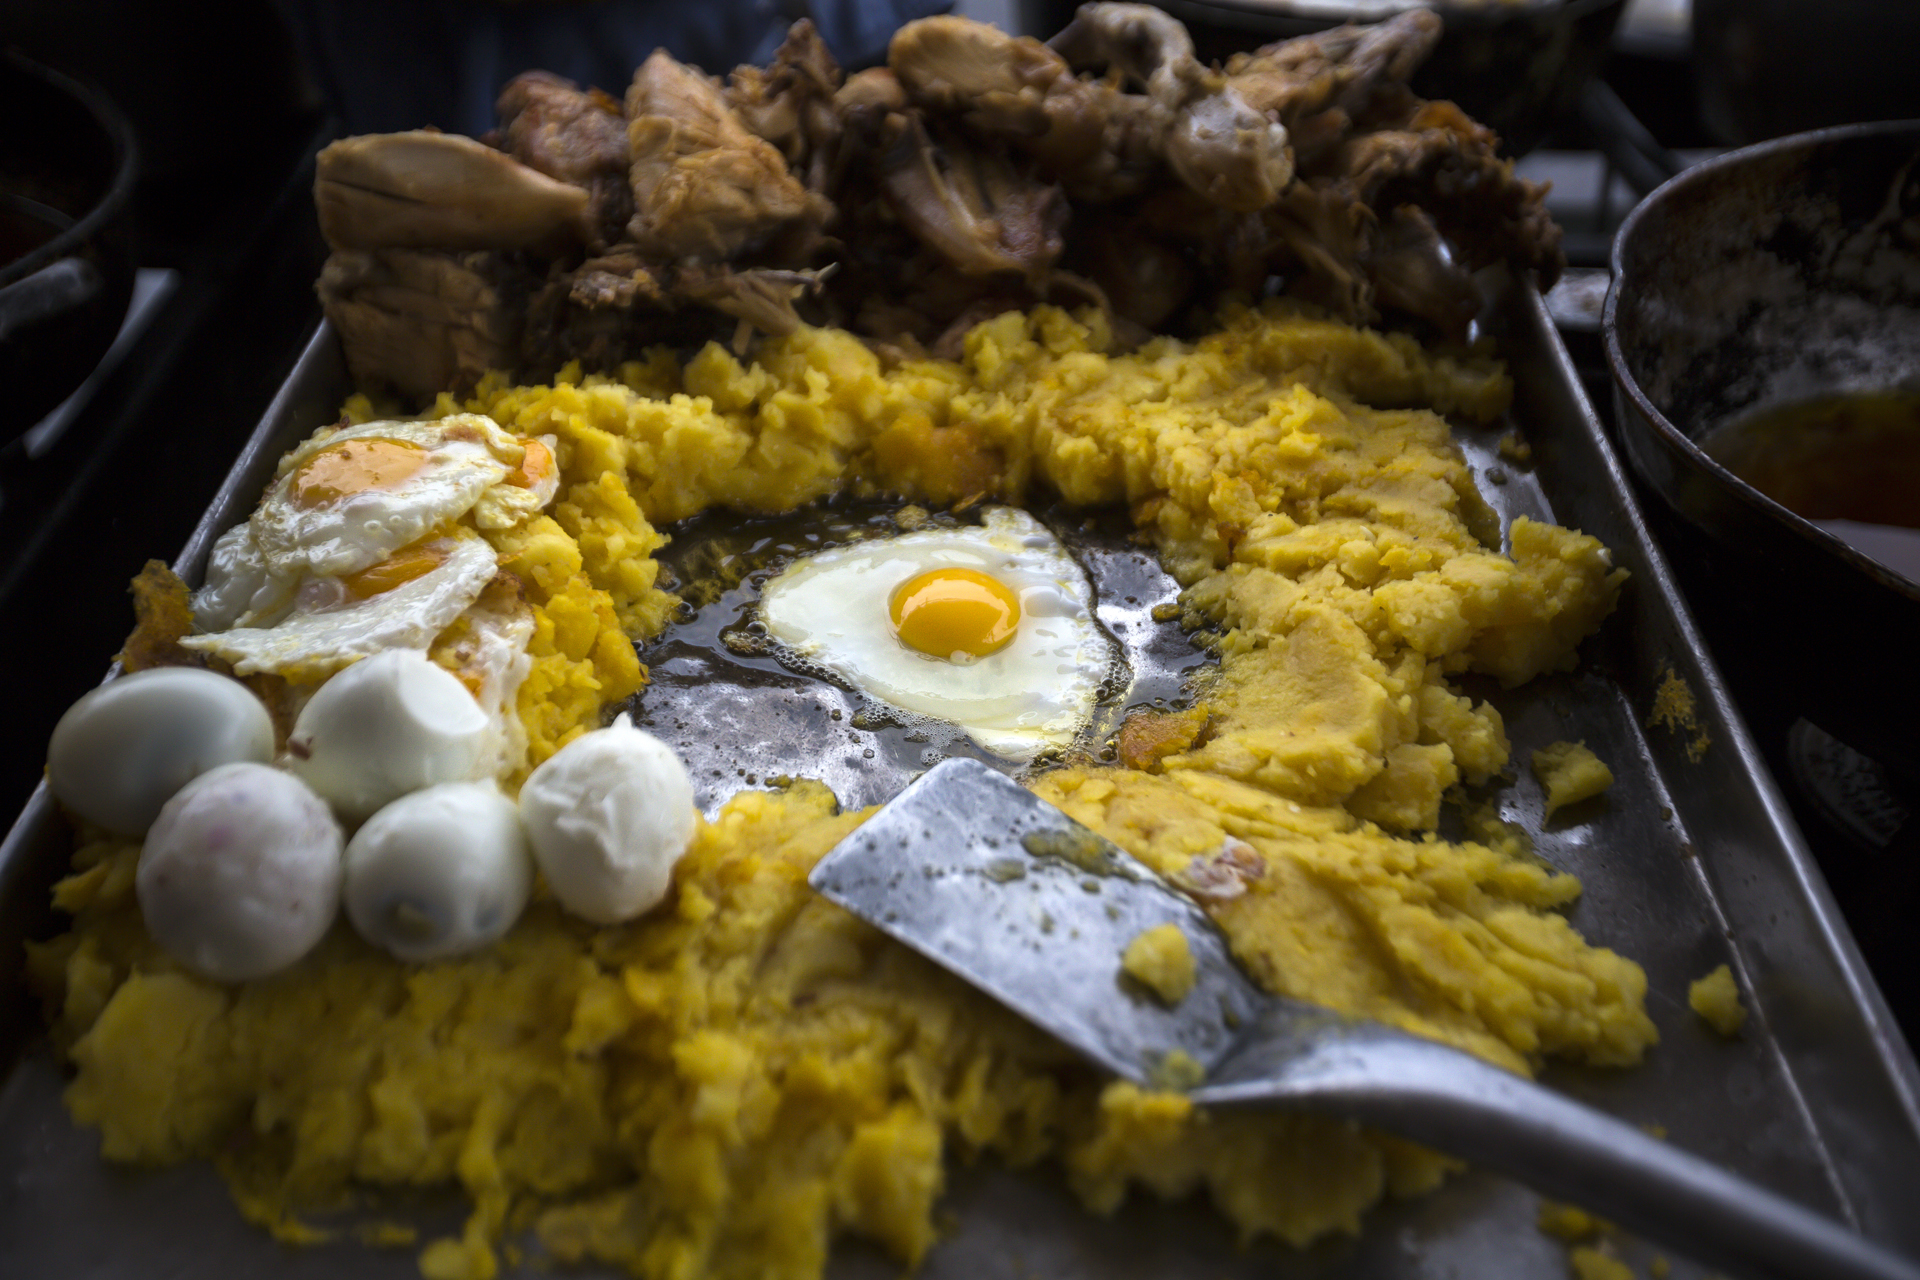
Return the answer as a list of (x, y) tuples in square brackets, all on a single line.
[(1742, 830), (1851, 1077)]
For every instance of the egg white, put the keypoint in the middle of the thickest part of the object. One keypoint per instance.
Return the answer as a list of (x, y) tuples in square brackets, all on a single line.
[(831, 611)]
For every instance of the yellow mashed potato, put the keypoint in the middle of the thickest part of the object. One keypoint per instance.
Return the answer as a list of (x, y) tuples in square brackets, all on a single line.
[(724, 1086), (1161, 958), (1716, 998), (1570, 772)]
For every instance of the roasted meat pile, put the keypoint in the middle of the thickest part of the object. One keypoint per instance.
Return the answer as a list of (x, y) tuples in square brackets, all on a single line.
[(974, 173)]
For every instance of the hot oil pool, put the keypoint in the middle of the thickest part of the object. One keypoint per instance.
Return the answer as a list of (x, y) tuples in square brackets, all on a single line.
[(742, 714), (1848, 462)]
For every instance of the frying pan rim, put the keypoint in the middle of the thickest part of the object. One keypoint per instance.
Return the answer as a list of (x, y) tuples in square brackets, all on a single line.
[(1675, 439), (119, 192)]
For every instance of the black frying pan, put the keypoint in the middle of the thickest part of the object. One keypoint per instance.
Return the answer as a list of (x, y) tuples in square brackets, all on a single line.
[(66, 259), (1765, 276)]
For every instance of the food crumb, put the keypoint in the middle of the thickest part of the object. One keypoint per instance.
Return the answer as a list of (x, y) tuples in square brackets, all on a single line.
[(1570, 773), (1148, 737), (1178, 1072), (1591, 1264), (1673, 710), (1568, 1222), (1717, 1000), (1659, 1268), (1514, 449), (1484, 824), (1161, 960)]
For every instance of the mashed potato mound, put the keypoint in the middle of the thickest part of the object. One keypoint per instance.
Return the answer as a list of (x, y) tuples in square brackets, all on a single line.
[(722, 1087)]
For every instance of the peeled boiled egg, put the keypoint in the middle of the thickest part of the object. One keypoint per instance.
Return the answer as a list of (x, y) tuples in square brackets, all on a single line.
[(240, 873), (122, 750), (990, 629), (387, 725), (439, 872), (608, 815)]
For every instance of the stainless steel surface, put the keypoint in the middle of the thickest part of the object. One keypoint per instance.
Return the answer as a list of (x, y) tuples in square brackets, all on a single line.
[(971, 869), (1686, 864), (981, 876)]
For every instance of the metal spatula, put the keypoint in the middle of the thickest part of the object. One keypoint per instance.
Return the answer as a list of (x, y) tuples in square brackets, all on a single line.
[(985, 878)]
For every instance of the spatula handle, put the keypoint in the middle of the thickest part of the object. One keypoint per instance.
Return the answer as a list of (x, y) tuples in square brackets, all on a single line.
[(1454, 1102)]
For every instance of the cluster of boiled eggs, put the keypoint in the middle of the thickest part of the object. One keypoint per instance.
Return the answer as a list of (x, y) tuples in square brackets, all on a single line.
[(348, 570)]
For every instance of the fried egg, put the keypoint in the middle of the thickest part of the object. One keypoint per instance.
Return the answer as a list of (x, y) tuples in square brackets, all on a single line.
[(357, 548), (345, 500), (402, 602), (486, 647), (989, 629)]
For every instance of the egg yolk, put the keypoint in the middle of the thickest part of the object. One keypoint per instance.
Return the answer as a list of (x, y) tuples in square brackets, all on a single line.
[(403, 566), (944, 612), (535, 467), (354, 467)]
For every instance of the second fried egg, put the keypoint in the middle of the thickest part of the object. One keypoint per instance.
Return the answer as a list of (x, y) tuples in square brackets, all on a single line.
[(347, 499), (990, 629)]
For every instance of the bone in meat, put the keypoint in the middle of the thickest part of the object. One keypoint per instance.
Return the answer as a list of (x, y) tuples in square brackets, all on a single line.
[(791, 103), (971, 206), (1217, 143)]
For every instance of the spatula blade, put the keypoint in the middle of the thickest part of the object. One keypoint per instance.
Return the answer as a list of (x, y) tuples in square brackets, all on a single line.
[(986, 879)]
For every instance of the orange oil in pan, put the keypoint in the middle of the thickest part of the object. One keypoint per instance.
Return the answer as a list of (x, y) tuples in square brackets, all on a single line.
[(1849, 463), (1840, 457)]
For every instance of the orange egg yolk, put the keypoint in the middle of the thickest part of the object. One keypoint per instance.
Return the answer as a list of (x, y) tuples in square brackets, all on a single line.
[(354, 467), (415, 560), (535, 467), (944, 612)]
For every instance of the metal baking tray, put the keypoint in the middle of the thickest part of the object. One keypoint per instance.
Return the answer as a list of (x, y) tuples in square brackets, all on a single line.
[(1687, 863)]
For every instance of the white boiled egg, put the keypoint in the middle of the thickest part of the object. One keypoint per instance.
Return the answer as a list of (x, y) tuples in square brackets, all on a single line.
[(990, 629), (387, 725), (240, 873), (608, 815), (439, 872), (401, 602), (122, 750)]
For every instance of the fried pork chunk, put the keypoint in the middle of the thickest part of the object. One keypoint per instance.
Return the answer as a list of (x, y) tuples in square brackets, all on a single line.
[(705, 187), (974, 173), (549, 124)]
